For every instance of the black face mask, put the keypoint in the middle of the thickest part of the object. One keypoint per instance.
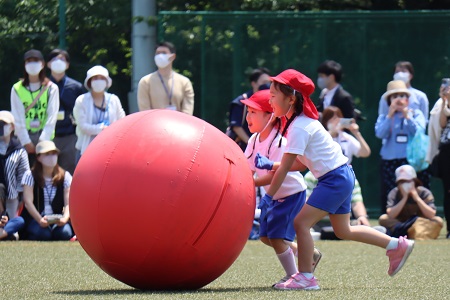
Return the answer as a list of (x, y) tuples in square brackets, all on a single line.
[(264, 86), (2, 124)]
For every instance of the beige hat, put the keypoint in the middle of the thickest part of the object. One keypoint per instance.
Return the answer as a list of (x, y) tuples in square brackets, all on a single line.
[(6, 117), (46, 146), (405, 172), (97, 70), (396, 86)]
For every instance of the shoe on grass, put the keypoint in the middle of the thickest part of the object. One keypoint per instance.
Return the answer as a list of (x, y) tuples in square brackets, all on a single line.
[(282, 280), (13, 237), (316, 258), (399, 255), (298, 282)]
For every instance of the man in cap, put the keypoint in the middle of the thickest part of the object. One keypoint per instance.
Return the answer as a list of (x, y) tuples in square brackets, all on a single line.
[(410, 208)]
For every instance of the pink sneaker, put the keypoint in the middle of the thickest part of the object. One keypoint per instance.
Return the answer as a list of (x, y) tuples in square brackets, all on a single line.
[(398, 256), (298, 282)]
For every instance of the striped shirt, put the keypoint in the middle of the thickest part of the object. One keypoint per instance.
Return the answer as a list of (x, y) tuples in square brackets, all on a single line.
[(16, 165), (49, 189)]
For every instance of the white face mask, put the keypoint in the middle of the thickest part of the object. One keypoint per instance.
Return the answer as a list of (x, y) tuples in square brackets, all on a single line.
[(332, 127), (322, 82), (403, 76), (49, 160), (407, 186), (33, 68), (162, 60), (98, 85), (58, 66), (6, 130), (3, 147)]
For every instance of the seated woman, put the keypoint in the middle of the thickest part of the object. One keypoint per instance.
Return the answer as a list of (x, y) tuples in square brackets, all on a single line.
[(410, 208), (13, 164), (46, 195)]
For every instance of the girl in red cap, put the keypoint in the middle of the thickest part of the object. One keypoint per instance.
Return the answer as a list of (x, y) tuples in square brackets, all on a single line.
[(308, 140), (277, 217)]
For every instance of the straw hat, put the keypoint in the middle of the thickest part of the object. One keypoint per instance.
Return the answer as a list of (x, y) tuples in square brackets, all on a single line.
[(395, 87)]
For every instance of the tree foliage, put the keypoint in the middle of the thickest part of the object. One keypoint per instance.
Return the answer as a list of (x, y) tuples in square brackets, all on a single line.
[(99, 32)]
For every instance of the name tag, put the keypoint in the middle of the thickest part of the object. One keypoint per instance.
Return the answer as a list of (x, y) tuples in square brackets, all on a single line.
[(35, 123), (171, 107), (401, 138), (60, 116)]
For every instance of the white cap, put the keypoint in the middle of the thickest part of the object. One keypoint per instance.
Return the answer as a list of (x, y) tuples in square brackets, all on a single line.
[(405, 172), (97, 70), (6, 117)]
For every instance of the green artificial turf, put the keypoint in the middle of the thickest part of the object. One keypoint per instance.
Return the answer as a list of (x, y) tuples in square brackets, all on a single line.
[(348, 270)]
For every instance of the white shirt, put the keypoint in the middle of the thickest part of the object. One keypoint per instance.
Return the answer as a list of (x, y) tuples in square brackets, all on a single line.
[(349, 144), (329, 94), (434, 131), (18, 110), (84, 113), (293, 183), (318, 152), (49, 189)]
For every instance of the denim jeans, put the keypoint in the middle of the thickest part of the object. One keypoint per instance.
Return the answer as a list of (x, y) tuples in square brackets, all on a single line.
[(51, 233), (14, 225)]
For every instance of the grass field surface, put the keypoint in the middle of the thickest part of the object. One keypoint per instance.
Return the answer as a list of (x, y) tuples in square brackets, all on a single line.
[(348, 270)]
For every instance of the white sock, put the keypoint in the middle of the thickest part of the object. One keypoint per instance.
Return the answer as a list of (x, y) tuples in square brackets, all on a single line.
[(287, 260), (308, 275), (393, 244)]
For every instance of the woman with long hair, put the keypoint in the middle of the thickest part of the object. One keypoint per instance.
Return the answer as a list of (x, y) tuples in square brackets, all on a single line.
[(46, 191)]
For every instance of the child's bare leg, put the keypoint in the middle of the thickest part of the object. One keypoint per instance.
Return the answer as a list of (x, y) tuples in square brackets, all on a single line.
[(293, 246), (306, 219), (265, 241), (279, 245), (359, 233)]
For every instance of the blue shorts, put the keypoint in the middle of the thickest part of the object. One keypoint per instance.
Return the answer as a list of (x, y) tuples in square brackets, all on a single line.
[(333, 192), (277, 220)]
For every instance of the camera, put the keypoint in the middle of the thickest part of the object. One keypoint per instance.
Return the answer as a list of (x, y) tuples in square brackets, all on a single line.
[(346, 121), (445, 82)]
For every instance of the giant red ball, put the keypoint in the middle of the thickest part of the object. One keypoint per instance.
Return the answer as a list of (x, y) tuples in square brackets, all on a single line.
[(162, 200)]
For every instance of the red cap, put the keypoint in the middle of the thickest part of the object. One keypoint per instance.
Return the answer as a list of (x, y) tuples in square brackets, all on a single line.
[(259, 101), (303, 85)]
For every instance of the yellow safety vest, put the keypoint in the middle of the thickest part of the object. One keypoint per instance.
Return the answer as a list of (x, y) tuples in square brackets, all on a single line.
[(37, 113)]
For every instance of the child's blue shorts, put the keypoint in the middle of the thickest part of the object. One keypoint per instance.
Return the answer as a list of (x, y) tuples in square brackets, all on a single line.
[(277, 221), (333, 192)]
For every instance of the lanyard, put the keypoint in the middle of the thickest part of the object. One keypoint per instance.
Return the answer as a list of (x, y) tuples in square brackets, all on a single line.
[(101, 116), (32, 98), (169, 95), (48, 188)]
